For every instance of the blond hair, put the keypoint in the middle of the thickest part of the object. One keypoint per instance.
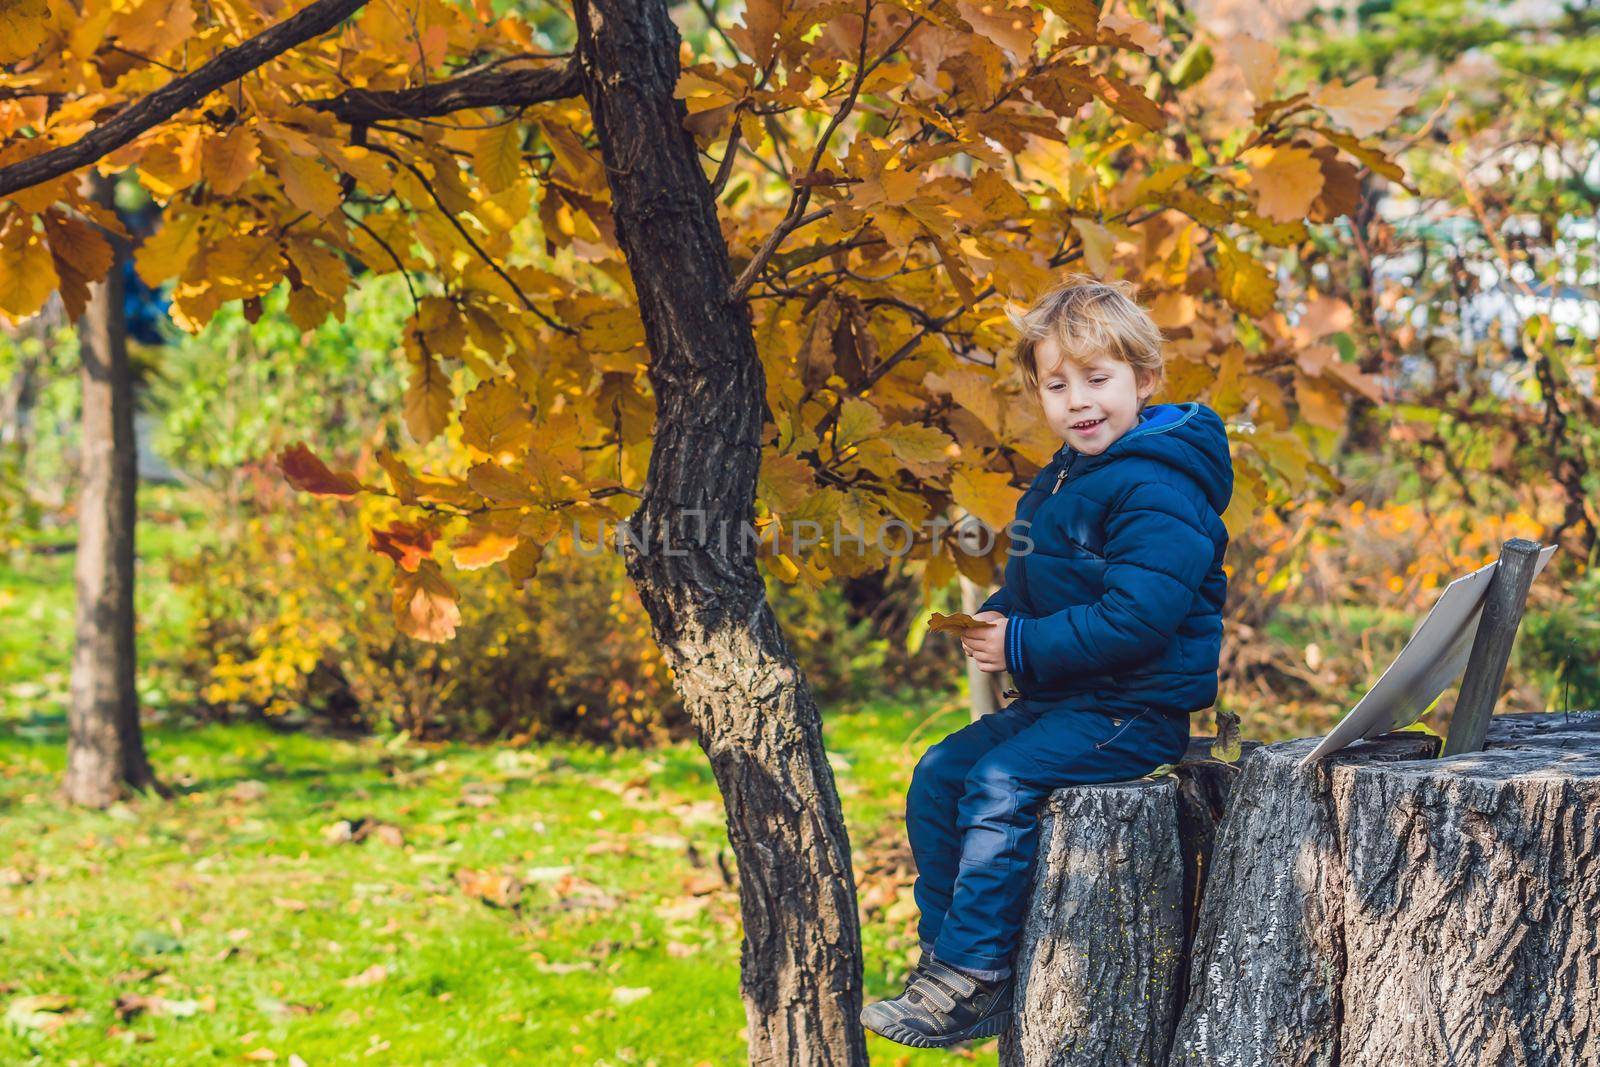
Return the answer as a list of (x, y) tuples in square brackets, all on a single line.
[(1089, 318)]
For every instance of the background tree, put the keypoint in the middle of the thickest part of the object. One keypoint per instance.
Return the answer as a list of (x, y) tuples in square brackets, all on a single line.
[(768, 279)]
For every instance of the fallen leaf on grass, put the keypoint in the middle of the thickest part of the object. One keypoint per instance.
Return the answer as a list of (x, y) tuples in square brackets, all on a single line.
[(43, 1012), (629, 994), (354, 831), (703, 883), (545, 874), (138, 1036), (138, 974), (545, 967), (492, 887), (248, 791), (574, 892), (290, 903), (131, 1004), (682, 908), (371, 976)]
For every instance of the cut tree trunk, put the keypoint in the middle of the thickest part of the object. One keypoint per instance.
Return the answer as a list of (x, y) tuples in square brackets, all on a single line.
[(1382, 908), (1097, 967), (105, 748), (687, 551), (1104, 951)]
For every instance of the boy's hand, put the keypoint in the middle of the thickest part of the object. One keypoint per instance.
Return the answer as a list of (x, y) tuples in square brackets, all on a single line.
[(987, 645)]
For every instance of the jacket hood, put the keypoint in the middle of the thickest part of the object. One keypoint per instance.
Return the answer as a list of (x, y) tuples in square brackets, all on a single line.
[(1188, 437)]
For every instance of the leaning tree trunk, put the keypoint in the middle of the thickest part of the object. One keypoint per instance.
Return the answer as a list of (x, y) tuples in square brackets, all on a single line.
[(695, 571), (1378, 908), (105, 750)]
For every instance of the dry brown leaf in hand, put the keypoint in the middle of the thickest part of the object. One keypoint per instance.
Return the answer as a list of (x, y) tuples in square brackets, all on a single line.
[(959, 622)]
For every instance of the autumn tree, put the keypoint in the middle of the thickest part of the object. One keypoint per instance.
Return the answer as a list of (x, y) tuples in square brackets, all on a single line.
[(681, 295)]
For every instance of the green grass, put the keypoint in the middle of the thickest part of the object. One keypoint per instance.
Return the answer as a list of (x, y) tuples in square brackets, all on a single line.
[(233, 904), (36, 602)]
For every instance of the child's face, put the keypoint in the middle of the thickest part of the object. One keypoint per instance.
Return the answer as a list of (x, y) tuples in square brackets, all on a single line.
[(1106, 393)]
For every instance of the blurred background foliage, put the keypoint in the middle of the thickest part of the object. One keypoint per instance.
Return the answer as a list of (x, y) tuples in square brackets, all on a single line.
[(1473, 294)]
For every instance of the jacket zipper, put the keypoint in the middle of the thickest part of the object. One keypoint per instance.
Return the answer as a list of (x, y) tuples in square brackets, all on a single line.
[(1063, 475)]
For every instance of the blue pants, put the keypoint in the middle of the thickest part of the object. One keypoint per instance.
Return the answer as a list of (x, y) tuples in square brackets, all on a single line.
[(972, 814)]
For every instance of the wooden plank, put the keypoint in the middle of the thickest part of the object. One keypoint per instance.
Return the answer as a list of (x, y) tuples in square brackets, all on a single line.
[(1491, 647)]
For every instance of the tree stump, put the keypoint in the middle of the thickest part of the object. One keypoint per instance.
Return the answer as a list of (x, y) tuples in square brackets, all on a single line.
[(1099, 959), (1380, 908)]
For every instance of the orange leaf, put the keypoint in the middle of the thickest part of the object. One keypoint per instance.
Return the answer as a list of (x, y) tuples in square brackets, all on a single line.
[(1286, 180), (408, 544), (425, 603), (485, 541), (309, 474)]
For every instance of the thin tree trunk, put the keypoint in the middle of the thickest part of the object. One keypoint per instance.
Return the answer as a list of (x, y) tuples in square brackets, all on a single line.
[(686, 551), (981, 692), (105, 750)]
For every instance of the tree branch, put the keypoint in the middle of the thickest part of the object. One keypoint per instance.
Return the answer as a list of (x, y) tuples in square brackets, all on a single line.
[(226, 66), (485, 88)]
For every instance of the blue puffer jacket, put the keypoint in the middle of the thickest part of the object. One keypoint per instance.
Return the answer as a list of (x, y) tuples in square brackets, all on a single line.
[(1117, 602)]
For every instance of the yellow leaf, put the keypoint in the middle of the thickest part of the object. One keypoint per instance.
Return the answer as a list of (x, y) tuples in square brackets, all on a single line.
[(1287, 180), (757, 32), (320, 267), (307, 308), (308, 185), (494, 418), (857, 419), (497, 157), (168, 251), (1081, 15), (973, 389), (427, 399), (523, 562), (1363, 108), (27, 274), (425, 603), (784, 482), (24, 25), (1243, 280), (229, 160), (156, 28), (987, 494), (1099, 244), (925, 450), (500, 485), (1320, 403)]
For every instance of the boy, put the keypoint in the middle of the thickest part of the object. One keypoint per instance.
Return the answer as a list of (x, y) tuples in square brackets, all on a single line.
[(1110, 625)]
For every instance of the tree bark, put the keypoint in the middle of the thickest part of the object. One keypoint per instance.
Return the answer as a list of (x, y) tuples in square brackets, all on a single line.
[(1098, 964), (105, 749), (1382, 908), (1473, 901), (686, 551), (1268, 947)]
